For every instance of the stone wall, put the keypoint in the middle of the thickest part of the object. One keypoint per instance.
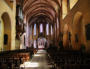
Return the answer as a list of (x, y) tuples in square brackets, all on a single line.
[(11, 12), (77, 18)]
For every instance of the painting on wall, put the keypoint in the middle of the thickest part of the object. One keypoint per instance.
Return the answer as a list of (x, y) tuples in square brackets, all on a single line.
[(5, 39), (88, 32), (76, 38)]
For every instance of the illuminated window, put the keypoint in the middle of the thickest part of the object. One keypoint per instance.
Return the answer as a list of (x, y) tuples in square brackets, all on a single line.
[(57, 23), (41, 28), (35, 44), (47, 29), (51, 30), (72, 3), (34, 29)]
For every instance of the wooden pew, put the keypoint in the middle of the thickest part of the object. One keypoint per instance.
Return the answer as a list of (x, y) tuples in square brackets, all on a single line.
[(13, 59), (69, 59)]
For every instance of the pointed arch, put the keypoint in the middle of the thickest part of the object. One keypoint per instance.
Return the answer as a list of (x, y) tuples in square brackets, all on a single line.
[(7, 31)]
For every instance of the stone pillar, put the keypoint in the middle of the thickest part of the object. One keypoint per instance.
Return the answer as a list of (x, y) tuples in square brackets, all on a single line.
[(60, 25), (33, 34), (37, 33), (44, 29), (65, 36), (57, 22), (38, 29), (64, 8), (68, 5), (27, 35), (55, 32), (49, 32), (30, 35), (54, 35)]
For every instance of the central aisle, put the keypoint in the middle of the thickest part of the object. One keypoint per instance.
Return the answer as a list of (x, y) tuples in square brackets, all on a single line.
[(39, 61)]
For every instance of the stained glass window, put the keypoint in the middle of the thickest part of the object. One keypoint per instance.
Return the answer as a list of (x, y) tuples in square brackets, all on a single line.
[(41, 28)]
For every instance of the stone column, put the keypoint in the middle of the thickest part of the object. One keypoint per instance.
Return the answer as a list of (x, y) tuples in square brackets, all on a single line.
[(49, 32), (37, 31), (44, 29), (57, 25), (60, 25), (64, 8), (39, 28), (54, 35), (30, 35), (55, 31), (68, 5), (27, 35), (33, 34)]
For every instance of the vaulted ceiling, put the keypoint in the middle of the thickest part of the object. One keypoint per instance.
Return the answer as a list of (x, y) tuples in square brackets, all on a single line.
[(41, 10)]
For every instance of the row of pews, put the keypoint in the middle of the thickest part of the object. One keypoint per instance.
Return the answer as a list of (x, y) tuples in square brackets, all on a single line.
[(13, 59), (68, 59)]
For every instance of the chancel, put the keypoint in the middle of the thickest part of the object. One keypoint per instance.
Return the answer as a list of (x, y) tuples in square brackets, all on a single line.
[(44, 34)]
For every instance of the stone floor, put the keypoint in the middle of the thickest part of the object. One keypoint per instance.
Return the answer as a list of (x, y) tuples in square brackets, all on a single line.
[(39, 61)]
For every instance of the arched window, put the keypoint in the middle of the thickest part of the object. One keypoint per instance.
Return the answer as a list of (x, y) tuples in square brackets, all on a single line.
[(35, 44), (47, 29), (34, 29), (41, 28), (51, 30), (57, 23)]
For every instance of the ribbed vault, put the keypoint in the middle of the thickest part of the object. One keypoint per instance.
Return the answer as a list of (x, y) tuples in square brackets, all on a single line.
[(34, 9)]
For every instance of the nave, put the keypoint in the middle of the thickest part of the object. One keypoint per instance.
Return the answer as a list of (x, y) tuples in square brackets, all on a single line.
[(39, 61), (60, 28), (51, 58)]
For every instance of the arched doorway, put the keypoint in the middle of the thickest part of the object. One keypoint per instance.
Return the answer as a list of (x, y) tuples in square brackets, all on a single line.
[(78, 30), (6, 31)]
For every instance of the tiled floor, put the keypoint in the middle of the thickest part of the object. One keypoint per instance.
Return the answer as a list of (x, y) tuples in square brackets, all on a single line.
[(39, 61)]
